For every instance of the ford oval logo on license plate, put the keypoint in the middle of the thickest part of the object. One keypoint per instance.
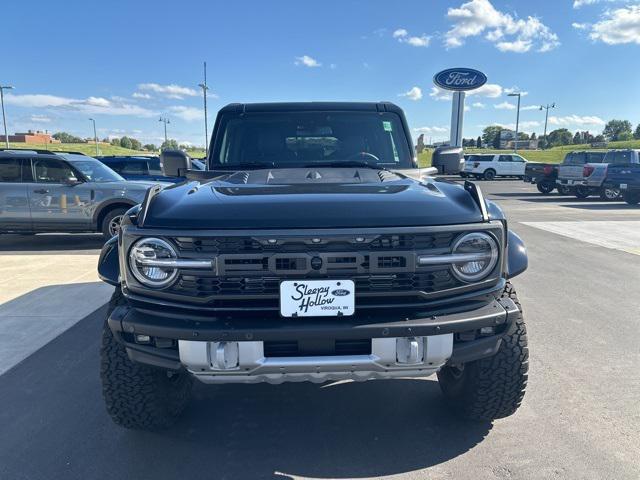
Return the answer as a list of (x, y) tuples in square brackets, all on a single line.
[(459, 79)]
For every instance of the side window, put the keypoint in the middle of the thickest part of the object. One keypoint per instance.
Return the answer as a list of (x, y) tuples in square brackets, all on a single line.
[(134, 168), (49, 170), (595, 157), (115, 166), (622, 157), (10, 170), (504, 158), (517, 158), (154, 166)]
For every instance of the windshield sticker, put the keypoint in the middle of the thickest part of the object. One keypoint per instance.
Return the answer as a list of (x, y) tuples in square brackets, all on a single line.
[(387, 126)]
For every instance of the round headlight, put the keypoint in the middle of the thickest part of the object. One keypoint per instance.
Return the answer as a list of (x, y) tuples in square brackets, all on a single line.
[(481, 252), (146, 259)]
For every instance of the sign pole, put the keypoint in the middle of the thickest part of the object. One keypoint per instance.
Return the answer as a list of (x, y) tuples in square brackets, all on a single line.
[(457, 118)]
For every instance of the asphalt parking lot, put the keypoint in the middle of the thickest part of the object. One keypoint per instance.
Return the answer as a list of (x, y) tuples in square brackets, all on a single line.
[(580, 418)]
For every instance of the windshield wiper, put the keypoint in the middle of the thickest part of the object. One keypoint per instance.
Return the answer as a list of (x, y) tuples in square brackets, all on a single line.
[(345, 164)]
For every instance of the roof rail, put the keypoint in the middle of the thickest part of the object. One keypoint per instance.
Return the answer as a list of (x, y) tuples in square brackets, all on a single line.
[(41, 151)]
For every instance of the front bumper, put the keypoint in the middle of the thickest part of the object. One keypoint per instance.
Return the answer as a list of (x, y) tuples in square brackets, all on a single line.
[(224, 349)]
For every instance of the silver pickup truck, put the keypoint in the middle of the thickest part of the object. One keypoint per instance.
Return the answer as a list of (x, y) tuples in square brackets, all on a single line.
[(42, 191), (582, 174)]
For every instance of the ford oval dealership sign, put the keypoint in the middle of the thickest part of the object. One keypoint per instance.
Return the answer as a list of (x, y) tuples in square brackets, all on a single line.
[(460, 79)]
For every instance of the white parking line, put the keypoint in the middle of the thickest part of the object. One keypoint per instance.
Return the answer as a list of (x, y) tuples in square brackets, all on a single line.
[(617, 235), (41, 297)]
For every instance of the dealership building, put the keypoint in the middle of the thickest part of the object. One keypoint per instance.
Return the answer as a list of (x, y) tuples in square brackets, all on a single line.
[(34, 137)]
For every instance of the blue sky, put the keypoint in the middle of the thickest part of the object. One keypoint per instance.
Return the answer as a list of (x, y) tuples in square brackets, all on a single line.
[(127, 63)]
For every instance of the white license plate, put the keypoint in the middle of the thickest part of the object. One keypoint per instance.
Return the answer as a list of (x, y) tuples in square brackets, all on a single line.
[(317, 298), (623, 186)]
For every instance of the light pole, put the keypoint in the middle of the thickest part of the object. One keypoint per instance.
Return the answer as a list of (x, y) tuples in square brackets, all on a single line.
[(95, 135), (204, 88), (515, 144), (4, 118), (546, 119), (164, 120)]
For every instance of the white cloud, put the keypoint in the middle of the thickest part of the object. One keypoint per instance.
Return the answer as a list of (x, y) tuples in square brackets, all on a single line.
[(530, 107), (505, 106), (40, 118), (169, 91), (402, 35), (432, 130), (576, 120), (580, 3), (506, 32), (618, 26), (307, 61), (333, 66), (187, 113), (522, 126), (478, 105), (507, 91), (141, 95), (489, 90), (91, 105), (414, 94), (580, 26)]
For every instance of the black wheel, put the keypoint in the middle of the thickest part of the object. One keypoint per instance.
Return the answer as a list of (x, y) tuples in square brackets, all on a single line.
[(582, 192), (489, 174), (564, 190), (137, 396), (632, 198), (545, 187), (111, 222), (491, 387), (609, 194)]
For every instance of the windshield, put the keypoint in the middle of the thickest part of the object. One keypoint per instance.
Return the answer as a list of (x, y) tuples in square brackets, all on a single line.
[(303, 139), (95, 171)]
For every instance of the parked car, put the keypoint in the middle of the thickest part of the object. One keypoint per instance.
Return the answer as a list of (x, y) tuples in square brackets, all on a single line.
[(542, 175), (623, 173), (581, 173), (137, 167), (309, 256), (42, 191), (490, 166)]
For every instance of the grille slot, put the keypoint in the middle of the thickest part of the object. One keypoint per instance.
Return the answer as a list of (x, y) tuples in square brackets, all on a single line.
[(316, 348)]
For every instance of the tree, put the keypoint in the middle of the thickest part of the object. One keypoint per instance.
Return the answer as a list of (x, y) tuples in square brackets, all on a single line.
[(420, 144), (65, 137), (577, 139), (491, 135), (533, 136), (115, 142), (125, 142), (636, 133), (560, 136), (614, 129), (479, 142), (169, 144), (150, 147), (136, 144), (598, 139)]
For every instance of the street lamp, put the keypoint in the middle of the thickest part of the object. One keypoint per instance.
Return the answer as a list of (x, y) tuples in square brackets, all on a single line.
[(95, 135), (204, 88), (546, 118), (164, 120), (4, 118), (515, 144)]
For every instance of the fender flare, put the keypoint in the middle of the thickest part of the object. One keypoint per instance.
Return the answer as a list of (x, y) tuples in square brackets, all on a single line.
[(517, 259), (108, 263), (105, 205)]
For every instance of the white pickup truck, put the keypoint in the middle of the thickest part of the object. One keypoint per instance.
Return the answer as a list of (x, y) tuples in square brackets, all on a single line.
[(490, 166)]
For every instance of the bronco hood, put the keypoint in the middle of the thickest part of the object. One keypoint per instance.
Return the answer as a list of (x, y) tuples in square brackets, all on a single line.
[(311, 198)]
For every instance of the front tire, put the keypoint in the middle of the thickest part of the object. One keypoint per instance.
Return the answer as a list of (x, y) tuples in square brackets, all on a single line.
[(492, 387), (545, 187), (609, 194), (110, 225), (137, 396), (632, 198), (582, 192)]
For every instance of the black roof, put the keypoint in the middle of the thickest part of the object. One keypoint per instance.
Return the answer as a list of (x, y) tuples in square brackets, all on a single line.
[(311, 106)]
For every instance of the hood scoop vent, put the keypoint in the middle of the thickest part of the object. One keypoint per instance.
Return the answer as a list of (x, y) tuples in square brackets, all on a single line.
[(238, 178), (386, 176), (313, 175)]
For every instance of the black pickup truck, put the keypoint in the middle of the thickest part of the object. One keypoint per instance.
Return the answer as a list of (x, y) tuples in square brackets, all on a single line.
[(543, 175), (307, 252)]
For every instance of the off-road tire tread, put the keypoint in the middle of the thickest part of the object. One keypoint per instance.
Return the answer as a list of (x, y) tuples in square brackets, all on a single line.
[(494, 386), (137, 396)]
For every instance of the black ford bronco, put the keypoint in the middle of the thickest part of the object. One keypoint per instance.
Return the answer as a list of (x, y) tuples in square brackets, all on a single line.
[(310, 250)]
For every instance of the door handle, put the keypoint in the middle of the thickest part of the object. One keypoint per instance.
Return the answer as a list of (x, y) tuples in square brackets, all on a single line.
[(41, 190)]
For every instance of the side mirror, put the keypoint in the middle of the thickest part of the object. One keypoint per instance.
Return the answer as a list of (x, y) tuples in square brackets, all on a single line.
[(72, 181), (175, 163)]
